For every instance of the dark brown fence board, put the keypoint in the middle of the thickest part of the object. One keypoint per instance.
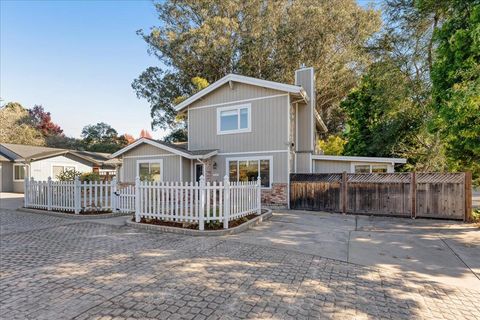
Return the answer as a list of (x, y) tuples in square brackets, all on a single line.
[(432, 195)]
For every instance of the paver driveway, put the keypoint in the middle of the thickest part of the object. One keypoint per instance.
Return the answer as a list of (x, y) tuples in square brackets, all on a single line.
[(54, 268)]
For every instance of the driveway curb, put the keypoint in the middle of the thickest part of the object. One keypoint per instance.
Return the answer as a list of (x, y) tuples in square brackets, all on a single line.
[(247, 225), (75, 216)]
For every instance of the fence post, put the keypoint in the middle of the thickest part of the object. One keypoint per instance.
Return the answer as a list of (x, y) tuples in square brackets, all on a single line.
[(226, 202), (413, 194), (259, 195), (201, 214), (344, 191), (137, 199), (25, 192), (77, 195), (49, 194), (468, 197), (113, 194)]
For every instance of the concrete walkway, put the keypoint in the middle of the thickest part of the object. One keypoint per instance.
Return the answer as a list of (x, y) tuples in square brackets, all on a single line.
[(10, 200), (447, 252)]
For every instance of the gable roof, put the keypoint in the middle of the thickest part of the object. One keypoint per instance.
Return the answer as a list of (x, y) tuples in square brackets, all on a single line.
[(179, 149), (247, 80), (22, 152)]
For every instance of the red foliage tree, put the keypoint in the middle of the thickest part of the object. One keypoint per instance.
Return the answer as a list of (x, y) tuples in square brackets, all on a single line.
[(145, 134), (42, 120)]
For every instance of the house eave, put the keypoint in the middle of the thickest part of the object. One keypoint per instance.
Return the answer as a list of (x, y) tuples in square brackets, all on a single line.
[(360, 159), (163, 147)]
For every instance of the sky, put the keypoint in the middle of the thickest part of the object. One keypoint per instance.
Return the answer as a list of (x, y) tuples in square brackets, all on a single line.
[(78, 59)]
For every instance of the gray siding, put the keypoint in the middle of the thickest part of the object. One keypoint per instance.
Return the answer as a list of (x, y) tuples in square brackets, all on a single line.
[(328, 166), (240, 91), (331, 166), (7, 176), (279, 165), (171, 162), (305, 121), (269, 128), (302, 163), (186, 169)]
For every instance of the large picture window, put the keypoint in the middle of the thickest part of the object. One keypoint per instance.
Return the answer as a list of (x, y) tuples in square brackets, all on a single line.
[(18, 172), (149, 170), (249, 169), (235, 119)]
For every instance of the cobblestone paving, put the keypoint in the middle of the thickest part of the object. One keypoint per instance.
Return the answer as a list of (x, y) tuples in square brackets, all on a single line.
[(54, 268)]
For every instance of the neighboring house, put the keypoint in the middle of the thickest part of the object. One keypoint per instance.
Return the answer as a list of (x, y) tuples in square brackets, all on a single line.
[(18, 162), (243, 127)]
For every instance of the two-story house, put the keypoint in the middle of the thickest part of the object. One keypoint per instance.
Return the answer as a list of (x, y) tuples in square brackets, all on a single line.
[(244, 127)]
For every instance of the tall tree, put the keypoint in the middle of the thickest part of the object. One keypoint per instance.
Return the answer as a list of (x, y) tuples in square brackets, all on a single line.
[(101, 137), (265, 39), (42, 120), (456, 85), (16, 126)]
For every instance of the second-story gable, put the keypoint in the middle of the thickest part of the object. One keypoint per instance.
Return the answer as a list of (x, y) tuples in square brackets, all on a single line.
[(239, 117)]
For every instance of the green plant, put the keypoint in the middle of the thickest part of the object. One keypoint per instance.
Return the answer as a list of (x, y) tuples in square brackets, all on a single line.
[(68, 175), (89, 176)]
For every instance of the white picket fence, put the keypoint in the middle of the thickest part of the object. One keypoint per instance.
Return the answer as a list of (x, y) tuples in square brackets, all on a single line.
[(70, 196), (197, 202)]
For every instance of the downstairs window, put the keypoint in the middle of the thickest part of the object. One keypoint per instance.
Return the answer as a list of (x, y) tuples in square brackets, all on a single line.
[(249, 169)]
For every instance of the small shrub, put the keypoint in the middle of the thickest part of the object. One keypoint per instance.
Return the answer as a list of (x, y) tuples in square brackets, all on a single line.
[(90, 176), (68, 175)]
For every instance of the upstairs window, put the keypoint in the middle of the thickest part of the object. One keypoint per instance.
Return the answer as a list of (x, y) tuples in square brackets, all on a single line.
[(234, 119)]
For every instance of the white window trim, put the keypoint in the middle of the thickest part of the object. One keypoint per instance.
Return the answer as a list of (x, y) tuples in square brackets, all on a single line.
[(24, 172), (269, 158), (237, 108), (149, 161), (60, 165)]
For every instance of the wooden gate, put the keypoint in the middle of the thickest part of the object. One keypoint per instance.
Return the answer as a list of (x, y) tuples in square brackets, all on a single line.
[(429, 195)]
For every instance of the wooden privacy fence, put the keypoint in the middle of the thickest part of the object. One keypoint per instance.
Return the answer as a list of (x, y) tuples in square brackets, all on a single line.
[(432, 195), (197, 202)]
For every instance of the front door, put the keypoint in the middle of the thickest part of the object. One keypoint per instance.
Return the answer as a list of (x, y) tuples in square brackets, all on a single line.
[(198, 171)]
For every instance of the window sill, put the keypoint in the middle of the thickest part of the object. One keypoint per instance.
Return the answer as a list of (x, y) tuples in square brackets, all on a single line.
[(234, 131)]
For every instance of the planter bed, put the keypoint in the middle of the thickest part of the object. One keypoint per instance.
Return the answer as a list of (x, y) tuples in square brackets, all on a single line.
[(235, 226)]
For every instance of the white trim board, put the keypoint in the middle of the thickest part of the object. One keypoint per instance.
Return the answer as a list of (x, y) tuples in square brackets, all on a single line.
[(250, 152), (247, 80), (360, 159)]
